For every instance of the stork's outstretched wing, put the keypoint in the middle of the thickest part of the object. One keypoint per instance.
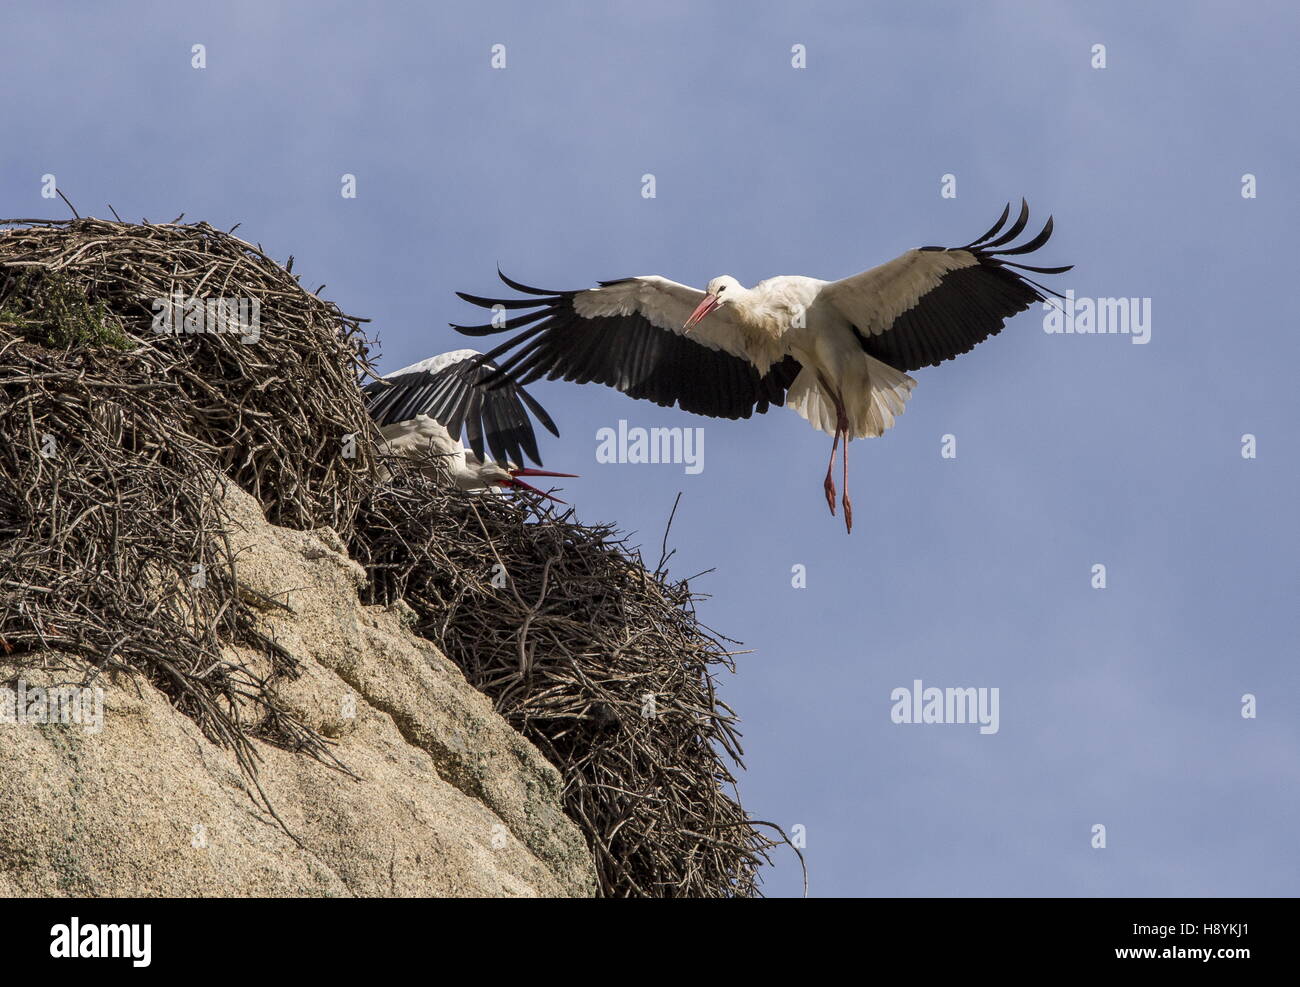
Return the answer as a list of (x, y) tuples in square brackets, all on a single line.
[(934, 303), (627, 334), (451, 389)]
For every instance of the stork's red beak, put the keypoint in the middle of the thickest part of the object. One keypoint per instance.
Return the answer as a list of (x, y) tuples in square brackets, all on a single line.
[(519, 471), (706, 306)]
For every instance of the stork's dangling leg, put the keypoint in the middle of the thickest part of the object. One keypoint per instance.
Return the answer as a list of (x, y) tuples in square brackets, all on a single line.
[(829, 485), (848, 504), (841, 428), (842, 425)]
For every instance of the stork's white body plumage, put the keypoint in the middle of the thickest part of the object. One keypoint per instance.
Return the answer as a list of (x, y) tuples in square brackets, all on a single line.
[(779, 317), (836, 352), (423, 440)]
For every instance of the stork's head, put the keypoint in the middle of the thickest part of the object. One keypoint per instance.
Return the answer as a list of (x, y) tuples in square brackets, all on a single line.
[(722, 290), (508, 476)]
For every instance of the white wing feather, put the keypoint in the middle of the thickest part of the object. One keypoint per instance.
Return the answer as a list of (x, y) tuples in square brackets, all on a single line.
[(665, 304), (435, 363), (874, 299)]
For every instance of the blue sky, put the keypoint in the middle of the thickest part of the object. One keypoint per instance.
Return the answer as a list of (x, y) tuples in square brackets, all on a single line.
[(1119, 707)]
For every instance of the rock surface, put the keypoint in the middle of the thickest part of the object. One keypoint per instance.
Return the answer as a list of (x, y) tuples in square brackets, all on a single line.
[(448, 798)]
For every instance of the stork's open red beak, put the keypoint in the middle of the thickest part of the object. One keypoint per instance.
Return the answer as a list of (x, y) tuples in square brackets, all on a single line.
[(706, 306), (519, 471)]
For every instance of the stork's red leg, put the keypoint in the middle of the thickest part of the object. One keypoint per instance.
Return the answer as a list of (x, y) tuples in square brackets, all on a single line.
[(848, 504), (841, 428), (829, 485), (842, 424)]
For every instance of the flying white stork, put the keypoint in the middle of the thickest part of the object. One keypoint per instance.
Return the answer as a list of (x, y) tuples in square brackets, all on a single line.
[(837, 352), (421, 409)]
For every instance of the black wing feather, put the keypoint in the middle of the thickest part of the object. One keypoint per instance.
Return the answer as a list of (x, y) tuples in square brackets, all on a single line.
[(458, 397), (474, 422), (630, 354), (969, 304)]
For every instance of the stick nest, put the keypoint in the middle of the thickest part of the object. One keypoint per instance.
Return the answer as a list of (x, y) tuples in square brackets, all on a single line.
[(601, 663), (111, 550)]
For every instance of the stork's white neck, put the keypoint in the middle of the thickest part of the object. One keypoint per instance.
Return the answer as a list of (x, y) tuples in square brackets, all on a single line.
[(773, 307)]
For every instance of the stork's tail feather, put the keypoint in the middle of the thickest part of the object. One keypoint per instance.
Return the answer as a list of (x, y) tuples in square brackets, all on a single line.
[(888, 392), (871, 408), (808, 399)]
